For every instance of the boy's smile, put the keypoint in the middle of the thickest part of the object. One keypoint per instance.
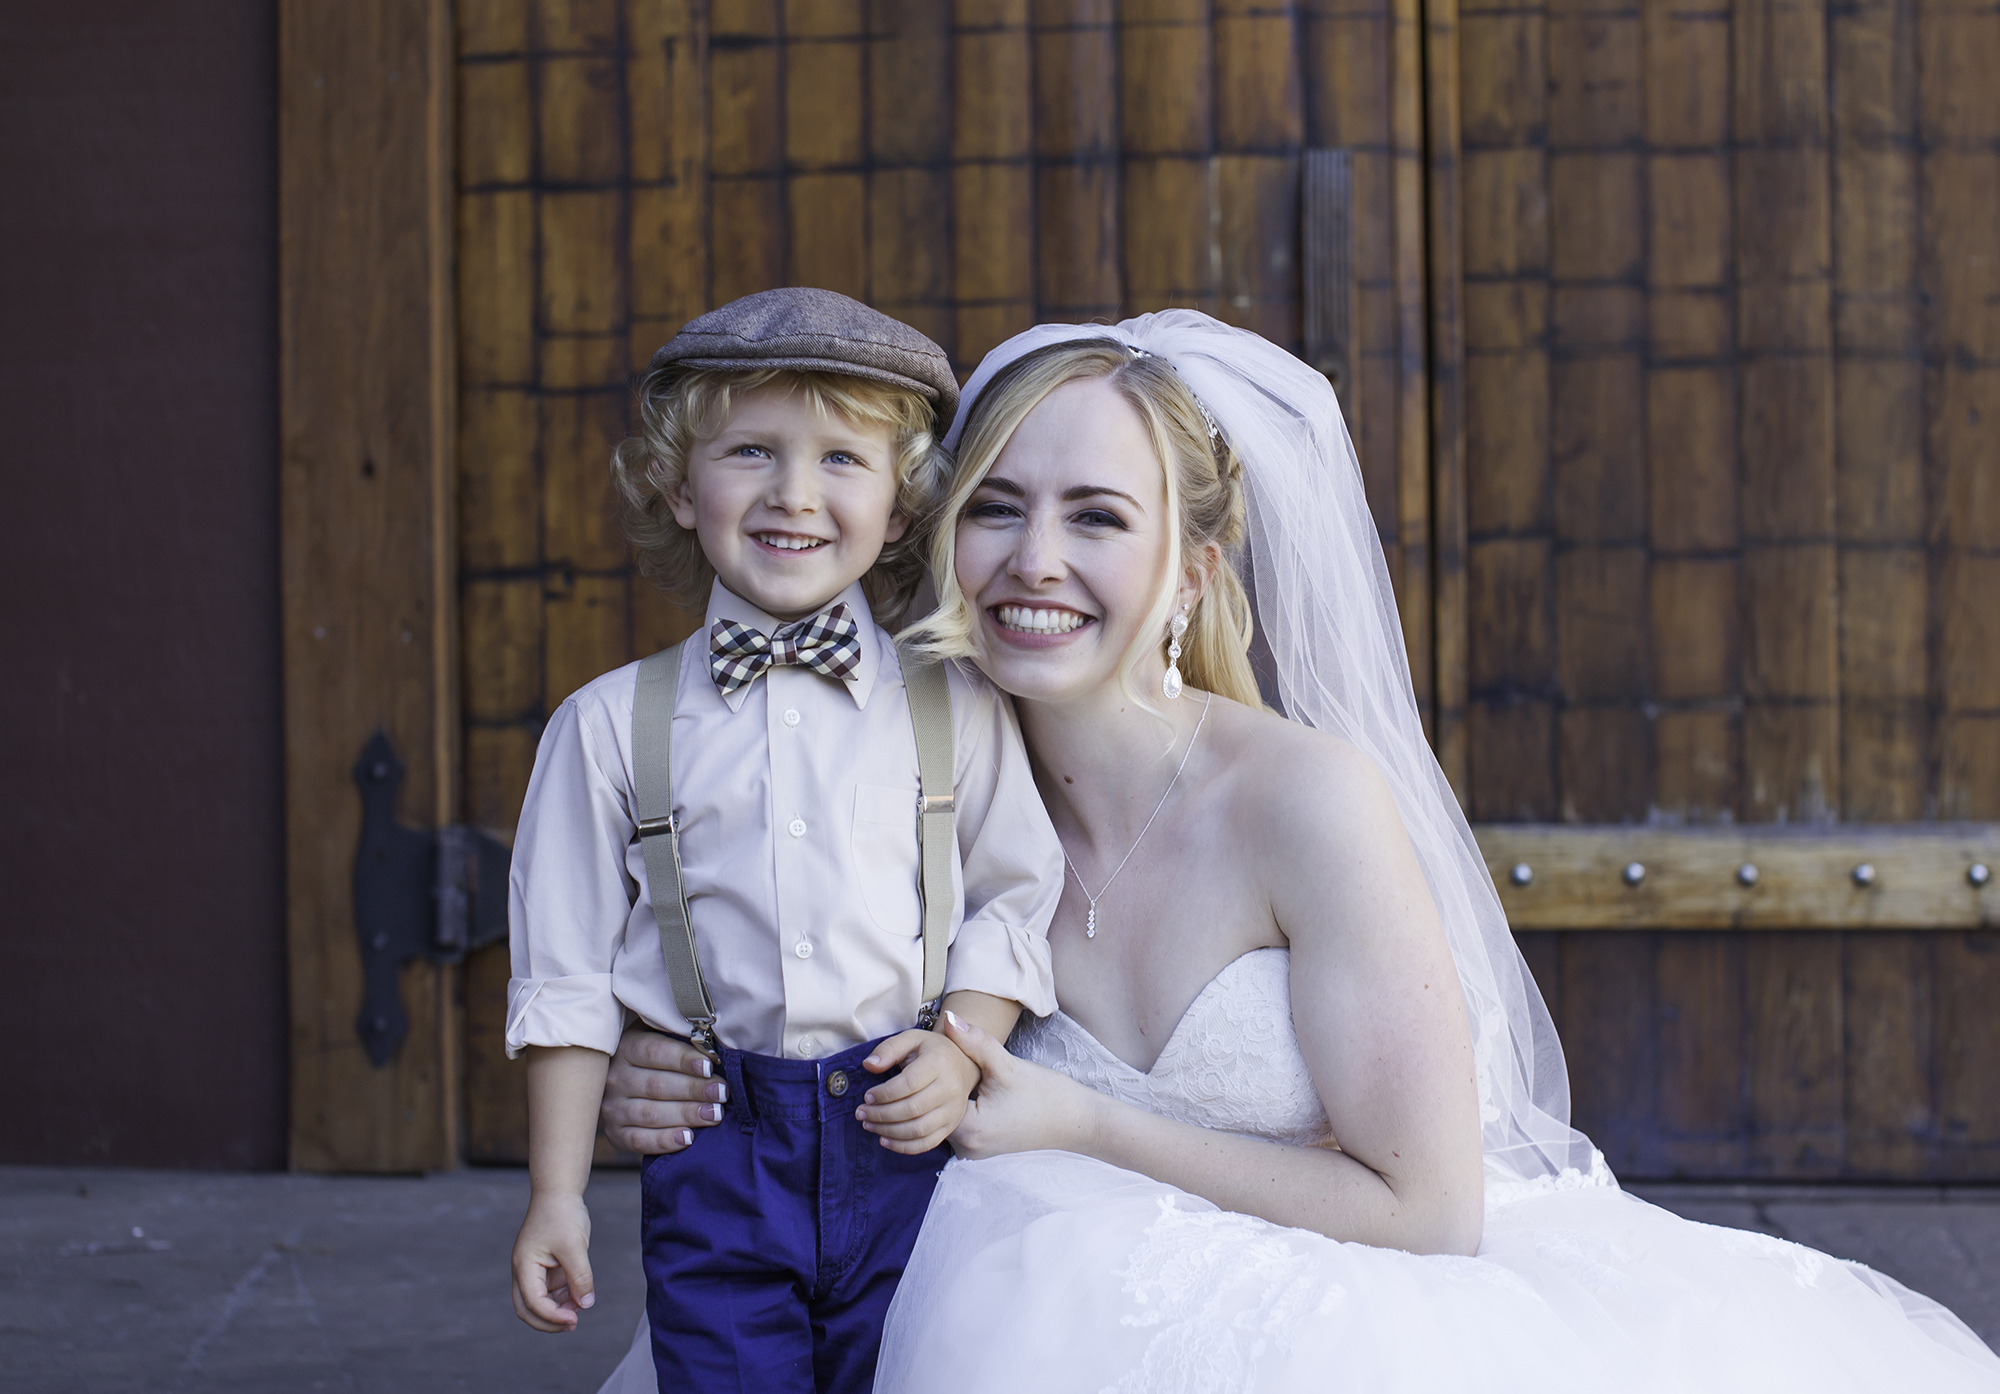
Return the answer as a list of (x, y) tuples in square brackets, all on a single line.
[(791, 507)]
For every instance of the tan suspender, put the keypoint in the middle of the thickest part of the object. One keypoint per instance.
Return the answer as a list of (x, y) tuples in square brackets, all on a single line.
[(660, 834)]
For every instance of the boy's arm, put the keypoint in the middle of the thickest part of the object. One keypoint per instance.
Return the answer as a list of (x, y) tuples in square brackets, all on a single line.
[(552, 1279)]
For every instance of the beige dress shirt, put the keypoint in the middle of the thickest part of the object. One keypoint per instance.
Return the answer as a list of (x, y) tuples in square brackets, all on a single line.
[(798, 797)]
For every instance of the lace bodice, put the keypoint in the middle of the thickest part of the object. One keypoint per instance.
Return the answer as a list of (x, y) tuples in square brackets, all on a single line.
[(1232, 1063)]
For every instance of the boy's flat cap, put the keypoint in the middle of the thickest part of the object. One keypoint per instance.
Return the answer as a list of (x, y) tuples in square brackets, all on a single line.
[(817, 331)]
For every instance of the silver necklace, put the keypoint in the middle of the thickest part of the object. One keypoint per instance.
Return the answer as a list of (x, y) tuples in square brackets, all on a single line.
[(1090, 921)]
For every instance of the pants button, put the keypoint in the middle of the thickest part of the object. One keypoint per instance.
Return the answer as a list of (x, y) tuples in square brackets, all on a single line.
[(836, 1083)]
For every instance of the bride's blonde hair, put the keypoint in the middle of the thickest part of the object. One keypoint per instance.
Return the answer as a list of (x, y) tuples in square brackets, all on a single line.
[(1204, 482)]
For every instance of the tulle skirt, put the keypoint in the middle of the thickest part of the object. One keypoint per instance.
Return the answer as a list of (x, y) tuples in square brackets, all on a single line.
[(1051, 1272)]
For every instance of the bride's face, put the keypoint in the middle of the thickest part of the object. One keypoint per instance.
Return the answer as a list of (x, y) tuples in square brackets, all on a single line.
[(1064, 545)]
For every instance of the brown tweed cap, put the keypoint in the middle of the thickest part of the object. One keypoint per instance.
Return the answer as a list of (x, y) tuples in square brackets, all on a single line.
[(818, 331)]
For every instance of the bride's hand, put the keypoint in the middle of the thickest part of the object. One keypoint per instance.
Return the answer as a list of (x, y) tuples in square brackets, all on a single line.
[(1021, 1107)]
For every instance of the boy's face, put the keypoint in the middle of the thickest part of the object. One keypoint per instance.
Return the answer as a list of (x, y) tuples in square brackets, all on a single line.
[(791, 507)]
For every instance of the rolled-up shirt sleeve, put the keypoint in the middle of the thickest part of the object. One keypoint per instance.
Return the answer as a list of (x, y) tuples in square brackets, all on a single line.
[(1012, 863), (569, 895)]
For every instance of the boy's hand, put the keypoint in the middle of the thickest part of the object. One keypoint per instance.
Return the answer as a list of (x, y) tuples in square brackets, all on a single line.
[(920, 1107), (552, 1281)]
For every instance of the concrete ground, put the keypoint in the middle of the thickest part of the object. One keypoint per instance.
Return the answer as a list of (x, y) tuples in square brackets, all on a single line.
[(120, 1281)]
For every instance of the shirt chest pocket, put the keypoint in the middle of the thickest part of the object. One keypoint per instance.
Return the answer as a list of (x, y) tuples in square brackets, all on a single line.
[(886, 859)]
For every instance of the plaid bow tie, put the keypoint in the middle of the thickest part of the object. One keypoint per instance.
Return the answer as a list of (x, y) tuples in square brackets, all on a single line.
[(829, 643)]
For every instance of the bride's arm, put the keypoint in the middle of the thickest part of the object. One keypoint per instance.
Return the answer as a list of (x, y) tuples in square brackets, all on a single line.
[(1380, 1019)]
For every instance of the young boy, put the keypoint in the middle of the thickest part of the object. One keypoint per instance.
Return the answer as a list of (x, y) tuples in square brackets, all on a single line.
[(789, 441)]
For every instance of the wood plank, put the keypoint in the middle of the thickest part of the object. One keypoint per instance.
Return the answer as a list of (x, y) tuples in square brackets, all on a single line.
[(827, 232), (496, 142), (667, 89), (825, 100), (1448, 500), (499, 481), (491, 26), (1604, 764), (368, 406), (1700, 1015), (1407, 265), (579, 523), (581, 119), (501, 621), (1510, 599), (582, 267), (909, 245), (1077, 212), (1596, 448), (1693, 612), (1511, 757), (1697, 766), (1168, 226), (1968, 1042), (1796, 1062), (1891, 1122), (586, 624), (1805, 877), (1166, 92), (1259, 103), (1256, 246), (1600, 603), (1691, 458), (496, 288), (1507, 426), (574, 24), (1612, 1046), (909, 82), (1884, 684)]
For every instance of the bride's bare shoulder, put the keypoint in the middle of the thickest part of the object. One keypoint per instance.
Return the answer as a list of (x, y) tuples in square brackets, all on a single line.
[(1268, 755)]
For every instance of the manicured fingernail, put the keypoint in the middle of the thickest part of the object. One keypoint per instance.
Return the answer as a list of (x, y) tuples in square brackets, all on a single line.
[(952, 1017), (589, 1301), (707, 1068), (687, 1137), (712, 1112), (719, 1092)]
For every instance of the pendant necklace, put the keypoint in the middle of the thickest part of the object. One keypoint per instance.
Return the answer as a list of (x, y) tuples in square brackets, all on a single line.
[(1090, 921)]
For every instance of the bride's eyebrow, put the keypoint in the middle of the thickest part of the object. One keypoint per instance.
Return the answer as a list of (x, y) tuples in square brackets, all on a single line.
[(1091, 491)]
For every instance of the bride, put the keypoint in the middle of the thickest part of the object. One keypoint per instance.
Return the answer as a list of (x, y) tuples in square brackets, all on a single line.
[(1264, 1145)]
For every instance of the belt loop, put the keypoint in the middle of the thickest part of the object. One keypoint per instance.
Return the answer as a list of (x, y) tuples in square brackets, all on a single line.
[(739, 1097)]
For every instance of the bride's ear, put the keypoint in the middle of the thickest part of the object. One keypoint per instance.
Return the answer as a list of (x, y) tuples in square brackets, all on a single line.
[(1202, 563)]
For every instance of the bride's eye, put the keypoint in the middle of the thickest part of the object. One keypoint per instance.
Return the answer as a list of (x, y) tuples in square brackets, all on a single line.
[(1099, 518), (992, 508)]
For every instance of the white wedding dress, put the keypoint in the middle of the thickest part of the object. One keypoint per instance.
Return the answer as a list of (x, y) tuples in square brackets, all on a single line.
[(1051, 1272)]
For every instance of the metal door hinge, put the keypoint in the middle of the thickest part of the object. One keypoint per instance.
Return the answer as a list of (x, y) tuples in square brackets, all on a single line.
[(433, 895)]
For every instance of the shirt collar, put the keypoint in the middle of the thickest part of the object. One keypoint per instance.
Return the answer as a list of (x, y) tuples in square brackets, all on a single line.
[(725, 604)]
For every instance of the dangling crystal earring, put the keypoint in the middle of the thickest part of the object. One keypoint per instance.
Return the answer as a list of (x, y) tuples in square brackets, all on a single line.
[(1171, 684)]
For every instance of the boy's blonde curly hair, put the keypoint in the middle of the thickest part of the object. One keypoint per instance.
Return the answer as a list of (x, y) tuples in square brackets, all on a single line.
[(680, 407)]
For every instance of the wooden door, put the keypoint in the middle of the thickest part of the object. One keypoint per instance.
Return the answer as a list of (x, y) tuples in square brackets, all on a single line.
[(1732, 500), (970, 167), (1673, 337)]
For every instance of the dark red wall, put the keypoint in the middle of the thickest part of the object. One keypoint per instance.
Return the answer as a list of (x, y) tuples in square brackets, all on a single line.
[(141, 871)]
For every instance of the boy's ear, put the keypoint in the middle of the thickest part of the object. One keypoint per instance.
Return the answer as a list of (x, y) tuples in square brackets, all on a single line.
[(899, 523), (680, 499)]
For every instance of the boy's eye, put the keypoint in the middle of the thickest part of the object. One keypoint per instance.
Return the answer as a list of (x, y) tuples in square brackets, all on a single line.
[(844, 457), (750, 450)]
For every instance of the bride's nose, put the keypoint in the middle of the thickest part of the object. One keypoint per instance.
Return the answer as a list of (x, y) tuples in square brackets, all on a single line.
[(1037, 557)]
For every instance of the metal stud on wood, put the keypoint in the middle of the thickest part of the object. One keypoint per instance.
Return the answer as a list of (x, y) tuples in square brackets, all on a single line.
[(1522, 874), (1634, 873), (1746, 874), (1864, 875)]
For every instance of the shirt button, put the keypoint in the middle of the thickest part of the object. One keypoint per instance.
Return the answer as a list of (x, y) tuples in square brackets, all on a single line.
[(808, 1046), (803, 949), (797, 827), (791, 716)]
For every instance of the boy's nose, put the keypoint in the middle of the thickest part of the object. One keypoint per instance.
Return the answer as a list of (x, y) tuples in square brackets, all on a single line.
[(793, 490)]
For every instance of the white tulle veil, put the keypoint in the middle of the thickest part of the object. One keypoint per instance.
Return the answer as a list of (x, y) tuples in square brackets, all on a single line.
[(1325, 608)]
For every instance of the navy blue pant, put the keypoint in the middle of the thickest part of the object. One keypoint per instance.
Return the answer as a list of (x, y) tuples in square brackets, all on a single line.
[(774, 1242)]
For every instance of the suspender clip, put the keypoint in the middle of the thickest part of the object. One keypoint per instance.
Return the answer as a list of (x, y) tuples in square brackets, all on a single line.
[(927, 1016), (653, 827), (936, 803)]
